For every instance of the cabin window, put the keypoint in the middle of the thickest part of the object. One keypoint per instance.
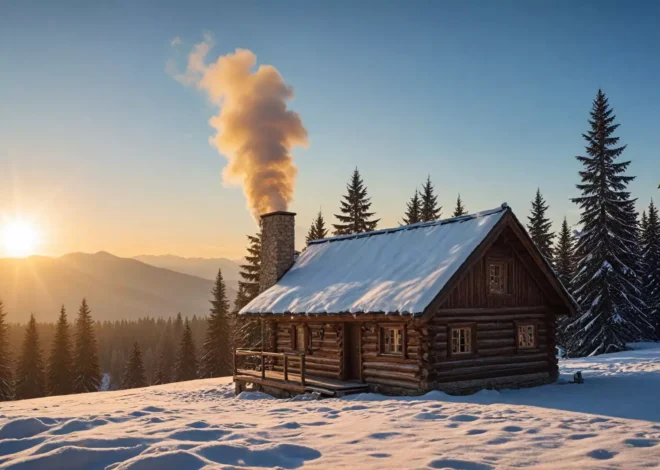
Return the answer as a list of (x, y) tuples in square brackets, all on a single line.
[(392, 340), (461, 340), (526, 336), (497, 277), (298, 336)]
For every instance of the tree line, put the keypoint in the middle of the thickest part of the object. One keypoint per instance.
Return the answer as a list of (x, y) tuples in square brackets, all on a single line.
[(89, 356), (611, 265)]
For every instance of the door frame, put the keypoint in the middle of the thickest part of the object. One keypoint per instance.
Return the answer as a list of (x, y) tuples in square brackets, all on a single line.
[(348, 345)]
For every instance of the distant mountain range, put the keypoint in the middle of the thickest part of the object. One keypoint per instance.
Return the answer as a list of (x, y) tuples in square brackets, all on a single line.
[(115, 288), (206, 268)]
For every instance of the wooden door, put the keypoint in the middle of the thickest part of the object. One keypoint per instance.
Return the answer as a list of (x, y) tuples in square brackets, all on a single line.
[(352, 353)]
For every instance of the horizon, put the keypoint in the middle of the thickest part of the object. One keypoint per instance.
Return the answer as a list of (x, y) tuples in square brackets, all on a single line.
[(490, 101)]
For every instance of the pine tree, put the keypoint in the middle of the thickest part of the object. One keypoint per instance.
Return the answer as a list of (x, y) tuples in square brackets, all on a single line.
[(86, 372), (355, 216), (430, 209), (413, 210), (134, 373), (565, 255), (6, 379), (60, 363), (216, 360), (539, 227), (30, 375), (317, 231), (251, 270), (186, 360), (245, 331), (460, 208), (650, 245), (612, 312)]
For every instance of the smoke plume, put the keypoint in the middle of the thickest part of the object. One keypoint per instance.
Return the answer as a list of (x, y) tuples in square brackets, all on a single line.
[(255, 130)]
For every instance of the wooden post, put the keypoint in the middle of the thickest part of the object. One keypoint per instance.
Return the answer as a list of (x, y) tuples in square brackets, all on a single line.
[(263, 366), (286, 368), (235, 362), (302, 369), (262, 335)]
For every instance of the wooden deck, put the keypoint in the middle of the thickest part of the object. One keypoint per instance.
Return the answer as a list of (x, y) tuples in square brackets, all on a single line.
[(325, 386)]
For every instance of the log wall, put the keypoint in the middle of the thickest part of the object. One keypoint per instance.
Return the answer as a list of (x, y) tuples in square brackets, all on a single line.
[(496, 355)]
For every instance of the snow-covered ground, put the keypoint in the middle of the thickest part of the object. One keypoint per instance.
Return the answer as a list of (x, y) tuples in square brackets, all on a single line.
[(610, 421)]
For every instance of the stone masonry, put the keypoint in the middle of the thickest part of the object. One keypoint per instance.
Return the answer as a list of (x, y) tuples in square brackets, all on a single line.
[(277, 246)]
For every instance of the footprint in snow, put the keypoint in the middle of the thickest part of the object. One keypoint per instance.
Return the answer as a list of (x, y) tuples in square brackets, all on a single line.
[(384, 435), (512, 429), (640, 442), (455, 464), (601, 454), (464, 418), (579, 437), (476, 432)]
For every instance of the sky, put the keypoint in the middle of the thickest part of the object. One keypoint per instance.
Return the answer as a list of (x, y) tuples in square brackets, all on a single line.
[(103, 150)]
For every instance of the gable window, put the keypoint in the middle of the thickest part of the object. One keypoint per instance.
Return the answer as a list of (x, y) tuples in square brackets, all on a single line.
[(526, 336), (461, 340), (497, 277), (298, 338)]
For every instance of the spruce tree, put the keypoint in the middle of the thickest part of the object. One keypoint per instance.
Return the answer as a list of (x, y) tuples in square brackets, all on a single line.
[(430, 208), (6, 378), (460, 208), (86, 372), (539, 227), (413, 210), (565, 255), (612, 312), (134, 373), (251, 270), (317, 231), (186, 360), (650, 244), (60, 362), (245, 331), (30, 375), (355, 216), (216, 357)]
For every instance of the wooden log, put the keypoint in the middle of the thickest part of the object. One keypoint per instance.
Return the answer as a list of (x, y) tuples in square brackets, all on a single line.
[(491, 382), (390, 366), (487, 368), (482, 361), (487, 374), (394, 383), (377, 373)]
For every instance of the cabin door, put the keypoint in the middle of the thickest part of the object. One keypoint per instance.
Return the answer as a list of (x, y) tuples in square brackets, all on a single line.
[(352, 361)]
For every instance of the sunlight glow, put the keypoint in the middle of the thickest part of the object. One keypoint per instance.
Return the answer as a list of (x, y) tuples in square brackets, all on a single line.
[(20, 238)]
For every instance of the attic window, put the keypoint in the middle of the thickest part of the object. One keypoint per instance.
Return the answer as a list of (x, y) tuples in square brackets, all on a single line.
[(526, 336), (497, 277)]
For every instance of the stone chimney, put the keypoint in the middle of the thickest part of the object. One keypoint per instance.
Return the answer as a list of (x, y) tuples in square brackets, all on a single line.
[(277, 246)]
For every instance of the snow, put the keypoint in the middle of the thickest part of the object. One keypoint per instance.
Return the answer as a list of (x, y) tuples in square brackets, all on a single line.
[(391, 271), (612, 420)]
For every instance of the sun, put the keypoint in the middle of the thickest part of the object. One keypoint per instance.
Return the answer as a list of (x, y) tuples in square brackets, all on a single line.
[(20, 238)]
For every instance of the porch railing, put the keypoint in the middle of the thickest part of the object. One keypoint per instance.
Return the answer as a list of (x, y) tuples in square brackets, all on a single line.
[(285, 356)]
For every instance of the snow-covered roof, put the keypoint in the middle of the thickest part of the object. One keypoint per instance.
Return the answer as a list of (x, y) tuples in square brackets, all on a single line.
[(398, 270)]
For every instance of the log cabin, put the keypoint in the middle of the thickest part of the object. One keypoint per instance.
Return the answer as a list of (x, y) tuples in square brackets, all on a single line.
[(455, 305)]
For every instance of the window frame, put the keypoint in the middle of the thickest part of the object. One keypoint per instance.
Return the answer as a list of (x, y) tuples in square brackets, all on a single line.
[(521, 324), (403, 354), (504, 263), (473, 339)]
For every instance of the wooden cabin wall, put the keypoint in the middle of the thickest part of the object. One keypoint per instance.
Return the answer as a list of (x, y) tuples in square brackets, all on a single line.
[(472, 291), (392, 374), (325, 358), (496, 362)]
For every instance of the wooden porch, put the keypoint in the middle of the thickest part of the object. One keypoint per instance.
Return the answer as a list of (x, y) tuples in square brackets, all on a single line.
[(296, 382)]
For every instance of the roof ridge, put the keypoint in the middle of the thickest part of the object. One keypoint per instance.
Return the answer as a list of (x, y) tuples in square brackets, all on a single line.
[(462, 218)]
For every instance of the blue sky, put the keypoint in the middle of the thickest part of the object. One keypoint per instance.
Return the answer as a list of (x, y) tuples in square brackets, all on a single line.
[(106, 151)]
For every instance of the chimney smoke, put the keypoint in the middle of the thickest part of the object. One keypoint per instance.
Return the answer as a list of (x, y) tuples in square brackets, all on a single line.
[(255, 130)]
